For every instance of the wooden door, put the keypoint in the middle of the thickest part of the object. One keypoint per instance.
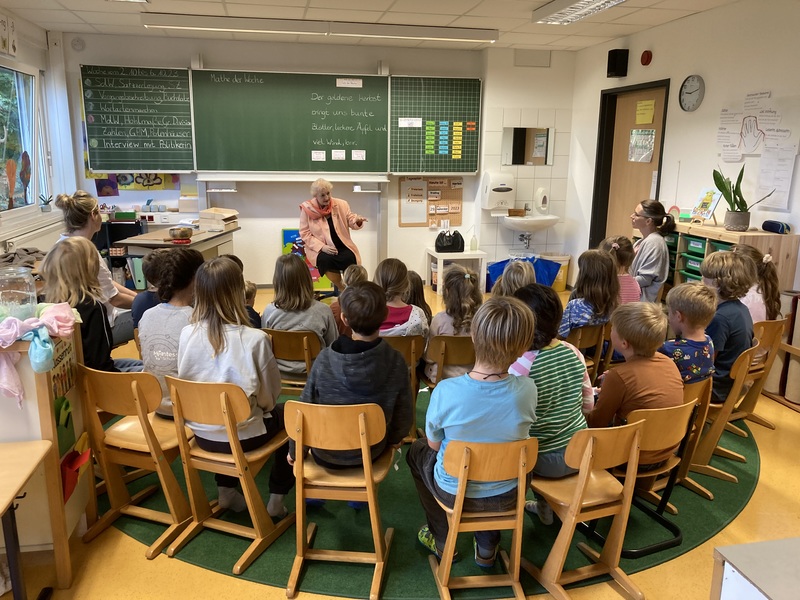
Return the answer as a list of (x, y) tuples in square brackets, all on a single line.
[(631, 173)]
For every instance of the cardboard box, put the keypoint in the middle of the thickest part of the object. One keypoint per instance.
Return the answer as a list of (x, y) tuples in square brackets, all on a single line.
[(219, 219)]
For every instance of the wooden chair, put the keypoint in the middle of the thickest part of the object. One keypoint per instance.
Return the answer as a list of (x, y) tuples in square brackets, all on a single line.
[(769, 335), (591, 493), (469, 461), (663, 429), (699, 392), (449, 350), (412, 348), (589, 340), (294, 345), (139, 439), (137, 342), (222, 404), (340, 427), (718, 418)]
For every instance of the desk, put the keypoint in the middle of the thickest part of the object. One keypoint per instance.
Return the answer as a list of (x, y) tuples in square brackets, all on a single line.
[(18, 461), (209, 243), (471, 256), (757, 570)]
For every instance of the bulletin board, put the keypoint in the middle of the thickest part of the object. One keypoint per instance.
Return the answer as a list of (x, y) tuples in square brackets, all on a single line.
[(428, 201)]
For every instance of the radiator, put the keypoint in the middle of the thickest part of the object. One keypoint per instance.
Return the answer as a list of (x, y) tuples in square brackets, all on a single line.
[(42, 238)]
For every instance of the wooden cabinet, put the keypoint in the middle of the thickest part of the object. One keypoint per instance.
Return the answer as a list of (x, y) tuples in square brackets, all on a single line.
[(694, 242)]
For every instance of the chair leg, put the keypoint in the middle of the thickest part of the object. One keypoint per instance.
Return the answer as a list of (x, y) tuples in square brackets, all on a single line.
[(115, 511), (735, 430), (380, 567), (630, 589), (444, 591), (729, 454), (550, 573), (516, 586), (714, 472), (759, 420), (691, 485), (299, 559), (262, 543)]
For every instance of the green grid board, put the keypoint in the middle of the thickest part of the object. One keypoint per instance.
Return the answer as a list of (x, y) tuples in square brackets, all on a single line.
[(137, 119), (429, 117)]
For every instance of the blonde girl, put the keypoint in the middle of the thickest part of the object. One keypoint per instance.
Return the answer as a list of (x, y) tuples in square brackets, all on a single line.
[(595, 295), (220, 346), (403, 318), (70, 274), (294, 307), (621, 251), (516, 274), (352, 275), (82, 219), (763, 300), (462, 297)]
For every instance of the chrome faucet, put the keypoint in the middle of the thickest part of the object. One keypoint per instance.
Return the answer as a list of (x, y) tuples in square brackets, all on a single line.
[(526, 239), (527, 207)]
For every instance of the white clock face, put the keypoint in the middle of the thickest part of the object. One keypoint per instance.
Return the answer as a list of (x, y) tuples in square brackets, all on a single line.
[(692, 92)]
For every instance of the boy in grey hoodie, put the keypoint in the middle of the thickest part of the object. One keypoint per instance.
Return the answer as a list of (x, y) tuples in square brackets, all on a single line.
[(361, 370)]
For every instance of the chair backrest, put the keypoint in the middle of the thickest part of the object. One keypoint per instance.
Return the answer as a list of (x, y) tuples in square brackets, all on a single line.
[(116, 393), (491, 462), (740, 371), (451, 350), (410, 346), (204, 402), (590, 337), (334, 427), (611, 446), (295, 345), (663, 428), (769, 335)]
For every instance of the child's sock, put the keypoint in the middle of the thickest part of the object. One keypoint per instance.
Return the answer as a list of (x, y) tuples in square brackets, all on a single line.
[(231, 498), (275, 506)]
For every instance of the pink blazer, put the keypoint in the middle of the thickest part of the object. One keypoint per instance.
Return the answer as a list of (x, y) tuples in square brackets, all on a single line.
[(315, 233)]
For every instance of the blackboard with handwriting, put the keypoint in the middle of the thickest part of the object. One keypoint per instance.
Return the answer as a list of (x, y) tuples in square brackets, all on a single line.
[(247, 121), (137, 119)]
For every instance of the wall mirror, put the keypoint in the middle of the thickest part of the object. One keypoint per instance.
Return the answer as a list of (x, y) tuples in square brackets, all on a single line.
[(532, 146)]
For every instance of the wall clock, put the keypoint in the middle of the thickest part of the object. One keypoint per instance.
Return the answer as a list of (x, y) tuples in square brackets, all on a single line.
[(691, 94)]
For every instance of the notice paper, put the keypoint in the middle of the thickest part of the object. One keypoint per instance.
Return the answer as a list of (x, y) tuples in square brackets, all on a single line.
[(775, 173)]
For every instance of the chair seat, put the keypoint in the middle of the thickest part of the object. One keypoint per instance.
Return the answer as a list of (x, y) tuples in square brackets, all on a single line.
[(254, 456), (668, 465), (293, 378), (602, 488), (320, 476), (127, 434)]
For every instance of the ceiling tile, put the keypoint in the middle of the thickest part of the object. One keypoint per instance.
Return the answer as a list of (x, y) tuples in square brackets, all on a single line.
[(446, 7), (264, 12), (107, 18), (611, 14), (693, 5), (488, 23), (350, 4), (96, 5), (529, 38), (127, 30), (186, 8), (294, 3), (68, 27), (49, 16), (576, 41), (359, 16), (653, 16), (40, 4), (613, 29), (504, 8), (398, 18)]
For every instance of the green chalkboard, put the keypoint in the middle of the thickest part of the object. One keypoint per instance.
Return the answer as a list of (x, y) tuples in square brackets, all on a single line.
[(435, 125), (290, 122), (137, 119)]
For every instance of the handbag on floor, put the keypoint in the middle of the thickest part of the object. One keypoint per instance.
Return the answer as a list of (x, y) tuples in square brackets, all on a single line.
[(448, 241)]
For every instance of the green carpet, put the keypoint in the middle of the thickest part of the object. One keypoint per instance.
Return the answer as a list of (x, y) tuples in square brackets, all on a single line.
[(408, 574)]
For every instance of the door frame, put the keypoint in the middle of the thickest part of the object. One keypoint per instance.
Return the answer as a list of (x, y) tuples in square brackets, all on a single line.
[(605, 145)]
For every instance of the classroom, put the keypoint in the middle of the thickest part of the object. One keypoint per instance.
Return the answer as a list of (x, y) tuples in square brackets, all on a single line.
[(739, 47)]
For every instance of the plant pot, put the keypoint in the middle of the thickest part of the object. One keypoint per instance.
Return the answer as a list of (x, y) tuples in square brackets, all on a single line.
[(737, 221), (46, 208)]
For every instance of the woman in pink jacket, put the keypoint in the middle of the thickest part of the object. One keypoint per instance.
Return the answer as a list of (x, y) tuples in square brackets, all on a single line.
[(325, 224)]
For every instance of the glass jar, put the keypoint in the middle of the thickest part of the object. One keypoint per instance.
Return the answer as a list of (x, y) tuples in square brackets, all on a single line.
[(17, 293)]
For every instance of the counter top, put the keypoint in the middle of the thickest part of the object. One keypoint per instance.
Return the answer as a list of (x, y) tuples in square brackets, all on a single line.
[(155, 239)]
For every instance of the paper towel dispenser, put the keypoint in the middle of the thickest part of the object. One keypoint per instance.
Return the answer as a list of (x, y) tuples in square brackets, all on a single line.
[(497, 191)]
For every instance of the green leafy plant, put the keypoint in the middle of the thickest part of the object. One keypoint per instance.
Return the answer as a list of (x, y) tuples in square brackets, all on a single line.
[(733, 192), (45, 200)]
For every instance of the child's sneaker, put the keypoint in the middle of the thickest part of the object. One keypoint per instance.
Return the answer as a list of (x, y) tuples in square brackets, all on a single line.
[(355, 505), (541, 509), (484, 563), (426, 538)]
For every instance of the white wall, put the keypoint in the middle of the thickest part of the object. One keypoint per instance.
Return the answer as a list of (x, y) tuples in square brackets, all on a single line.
[(739, 48)]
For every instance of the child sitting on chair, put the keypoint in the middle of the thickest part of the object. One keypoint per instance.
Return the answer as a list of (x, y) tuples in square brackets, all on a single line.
[(731, 275), (403, 318), (647, 379), (691, 306), (250, 291), (361, 370), (352, 274), (486, 405)]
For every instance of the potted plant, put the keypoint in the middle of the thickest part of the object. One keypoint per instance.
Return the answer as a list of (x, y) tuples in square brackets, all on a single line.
[(737, 217), (44, 202)]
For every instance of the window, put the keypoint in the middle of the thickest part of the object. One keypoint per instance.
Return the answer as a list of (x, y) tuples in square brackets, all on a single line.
[(20, 165)]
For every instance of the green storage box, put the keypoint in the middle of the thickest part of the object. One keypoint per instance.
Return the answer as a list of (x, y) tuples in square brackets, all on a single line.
[(696, 246), (672, 240), (720, 246), (691, 262), (688, 276)]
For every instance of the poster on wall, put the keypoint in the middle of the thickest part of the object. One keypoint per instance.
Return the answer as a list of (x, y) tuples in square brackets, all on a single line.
[(641, 146)]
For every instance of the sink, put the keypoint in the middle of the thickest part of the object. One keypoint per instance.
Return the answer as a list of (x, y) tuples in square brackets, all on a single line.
[(530, 224)]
